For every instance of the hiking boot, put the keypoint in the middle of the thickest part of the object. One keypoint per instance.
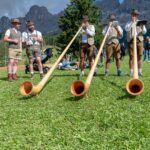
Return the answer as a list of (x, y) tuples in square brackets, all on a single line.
[(120, 73), (41, 76), (106, 74), (95, 74), (10, 77), (32, 76), (14, 77), (140, 74), (81, 73)]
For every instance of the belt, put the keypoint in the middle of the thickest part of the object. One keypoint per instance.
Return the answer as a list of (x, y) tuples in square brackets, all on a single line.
[(33, 45)]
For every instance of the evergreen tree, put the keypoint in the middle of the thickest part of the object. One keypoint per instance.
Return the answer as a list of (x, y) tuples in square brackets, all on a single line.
[(70, 22)]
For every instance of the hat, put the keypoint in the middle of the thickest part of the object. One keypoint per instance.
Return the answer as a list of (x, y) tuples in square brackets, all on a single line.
[(135, 12), (85, 18), (29, 23), (15, 20), (112, 17)]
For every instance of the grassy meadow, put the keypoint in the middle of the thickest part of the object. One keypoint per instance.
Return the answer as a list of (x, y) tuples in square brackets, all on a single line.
[(108, 119)]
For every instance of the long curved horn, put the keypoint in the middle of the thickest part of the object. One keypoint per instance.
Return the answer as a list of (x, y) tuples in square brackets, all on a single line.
[(79, 88), (135, 86), (27, 88)]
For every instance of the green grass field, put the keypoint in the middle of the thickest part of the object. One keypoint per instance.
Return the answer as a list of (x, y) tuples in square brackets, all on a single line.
[(108, 119)]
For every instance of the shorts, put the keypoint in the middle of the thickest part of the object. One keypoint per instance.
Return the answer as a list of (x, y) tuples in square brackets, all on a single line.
[(113, 48), (140, 48), (14, 53), (33, 51), (86, 49)]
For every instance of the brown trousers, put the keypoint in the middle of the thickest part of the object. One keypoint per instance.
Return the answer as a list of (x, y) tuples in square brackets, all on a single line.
[(140, 48), (113, 48), (86, 49), (110, 50)]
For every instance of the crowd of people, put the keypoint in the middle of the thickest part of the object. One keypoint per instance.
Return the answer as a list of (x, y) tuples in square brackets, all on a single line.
[(113, 46), (32, 40)]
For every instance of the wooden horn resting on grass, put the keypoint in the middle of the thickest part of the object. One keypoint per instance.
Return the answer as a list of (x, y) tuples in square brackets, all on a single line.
[(27, 88), (79, 88), (135, 86)]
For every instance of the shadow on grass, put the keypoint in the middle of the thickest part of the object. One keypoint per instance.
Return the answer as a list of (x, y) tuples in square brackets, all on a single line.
[(4, 79), (20, 77), (74, 99), (24, 77), (114, 84), (25, 98), (67, 75), (75, 75), (125, 96)]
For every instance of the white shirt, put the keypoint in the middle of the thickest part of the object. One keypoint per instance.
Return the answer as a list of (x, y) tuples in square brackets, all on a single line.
[(119, 28), (7, 33), (130, 25), (89, 31), (129, 28), (27, 37)]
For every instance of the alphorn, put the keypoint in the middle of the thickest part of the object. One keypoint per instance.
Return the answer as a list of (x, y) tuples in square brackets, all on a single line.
[(27, 88), (135, 86), (79, 88)]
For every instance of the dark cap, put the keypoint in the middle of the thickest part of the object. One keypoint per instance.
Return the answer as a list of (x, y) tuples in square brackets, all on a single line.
[(29, 23), (112, 17), (135, 12), (15, 20)]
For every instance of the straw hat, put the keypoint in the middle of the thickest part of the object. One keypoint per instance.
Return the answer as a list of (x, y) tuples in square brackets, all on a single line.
[(135, 12), (15, 20)]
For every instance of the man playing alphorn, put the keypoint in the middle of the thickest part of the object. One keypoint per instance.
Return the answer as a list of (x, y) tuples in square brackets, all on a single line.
[(113, 45), (87, 43), (141, 30)]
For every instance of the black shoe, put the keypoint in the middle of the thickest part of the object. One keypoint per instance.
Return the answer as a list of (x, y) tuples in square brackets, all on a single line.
[(41, 76), (95, 74), (120, 73)]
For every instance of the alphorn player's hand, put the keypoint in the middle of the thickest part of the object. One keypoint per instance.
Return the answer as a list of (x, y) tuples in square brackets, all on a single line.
[(84, 26)]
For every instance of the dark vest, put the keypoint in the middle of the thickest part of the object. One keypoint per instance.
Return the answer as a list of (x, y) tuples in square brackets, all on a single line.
[(14, 35)]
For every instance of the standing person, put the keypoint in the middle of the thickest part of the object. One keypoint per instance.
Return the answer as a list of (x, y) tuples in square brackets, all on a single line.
[(33, 40), (113, 45), (147, 49), (87, 43), (141, 30), (13, 37)]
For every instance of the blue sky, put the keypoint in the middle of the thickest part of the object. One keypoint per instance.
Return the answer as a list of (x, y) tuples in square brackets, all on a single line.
[(121, 1), (17, 8)]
